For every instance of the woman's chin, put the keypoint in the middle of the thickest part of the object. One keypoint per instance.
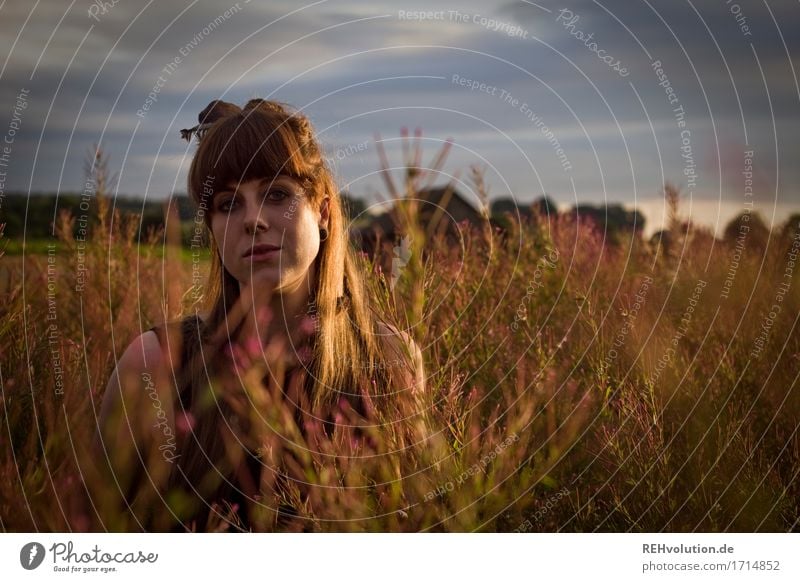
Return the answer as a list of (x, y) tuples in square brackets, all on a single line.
[(264, 275)]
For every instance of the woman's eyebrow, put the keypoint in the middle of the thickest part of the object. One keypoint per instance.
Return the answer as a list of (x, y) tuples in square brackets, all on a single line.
[(280, 178), (234, 186), (262, 182), (226, 189), (286, 182)]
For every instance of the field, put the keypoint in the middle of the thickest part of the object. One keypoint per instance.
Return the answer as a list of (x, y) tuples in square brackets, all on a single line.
[(573, 384)]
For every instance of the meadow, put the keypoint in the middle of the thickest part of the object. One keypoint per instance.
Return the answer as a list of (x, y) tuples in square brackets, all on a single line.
[(574, 383)]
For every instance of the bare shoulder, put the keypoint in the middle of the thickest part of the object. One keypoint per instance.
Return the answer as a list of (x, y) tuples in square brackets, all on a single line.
[(140, 360), (131, 407), (143, 354), (394, 338), (401, 347)]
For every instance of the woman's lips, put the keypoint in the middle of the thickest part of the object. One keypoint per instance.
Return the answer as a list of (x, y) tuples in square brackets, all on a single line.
[(261, 252), (263, 255)]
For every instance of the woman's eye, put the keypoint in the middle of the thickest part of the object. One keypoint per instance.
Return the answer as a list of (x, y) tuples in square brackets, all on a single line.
[(277, 195), (226, 205)]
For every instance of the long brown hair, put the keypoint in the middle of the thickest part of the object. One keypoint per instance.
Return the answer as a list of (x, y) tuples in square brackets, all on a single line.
[(263, 140)]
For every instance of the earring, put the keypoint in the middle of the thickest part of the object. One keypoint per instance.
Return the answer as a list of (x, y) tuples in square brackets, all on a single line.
[(323, 234)]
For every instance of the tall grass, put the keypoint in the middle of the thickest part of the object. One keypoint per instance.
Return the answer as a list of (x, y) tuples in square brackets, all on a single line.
[(551, 403)]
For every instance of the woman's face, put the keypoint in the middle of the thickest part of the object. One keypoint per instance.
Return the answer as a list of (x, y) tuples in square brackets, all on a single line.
[(267, 231)]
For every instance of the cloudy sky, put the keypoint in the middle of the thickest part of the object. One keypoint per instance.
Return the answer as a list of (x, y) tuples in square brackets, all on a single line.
[(573, 102)]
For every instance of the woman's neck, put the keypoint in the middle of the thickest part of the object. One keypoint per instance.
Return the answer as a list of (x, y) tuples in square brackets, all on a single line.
[(279, 315)]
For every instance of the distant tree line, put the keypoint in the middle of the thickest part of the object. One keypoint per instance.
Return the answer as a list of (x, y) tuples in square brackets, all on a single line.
[(32, 217), (615, 220)]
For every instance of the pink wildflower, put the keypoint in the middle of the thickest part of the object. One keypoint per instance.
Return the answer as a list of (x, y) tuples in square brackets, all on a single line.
[(308, 325), (253, 347), (305, 355), (185, 422)]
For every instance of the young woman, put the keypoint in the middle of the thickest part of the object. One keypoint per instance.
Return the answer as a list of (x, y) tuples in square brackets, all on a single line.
[(285, 288)]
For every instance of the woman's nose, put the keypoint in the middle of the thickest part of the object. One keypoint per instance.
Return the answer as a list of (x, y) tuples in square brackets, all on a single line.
[(254, 221)]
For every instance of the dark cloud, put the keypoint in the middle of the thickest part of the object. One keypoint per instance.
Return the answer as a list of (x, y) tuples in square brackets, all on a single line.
[(362, 69)]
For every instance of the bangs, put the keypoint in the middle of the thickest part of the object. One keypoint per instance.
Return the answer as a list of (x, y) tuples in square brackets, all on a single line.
[(245, 147)]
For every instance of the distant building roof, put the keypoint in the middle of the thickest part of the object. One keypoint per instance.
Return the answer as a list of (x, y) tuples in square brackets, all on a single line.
[(452, 202), (453, 207)]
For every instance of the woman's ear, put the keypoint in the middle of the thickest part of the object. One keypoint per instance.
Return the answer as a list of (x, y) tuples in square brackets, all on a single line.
[(324, 212)]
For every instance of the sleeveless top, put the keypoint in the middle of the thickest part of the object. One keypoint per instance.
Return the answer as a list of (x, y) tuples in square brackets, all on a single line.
[(189, 329)]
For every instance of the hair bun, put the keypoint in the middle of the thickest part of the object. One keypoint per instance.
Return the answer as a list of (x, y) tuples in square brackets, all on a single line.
[(213, 112), (265, 105), (299, 122), (216, 110)]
